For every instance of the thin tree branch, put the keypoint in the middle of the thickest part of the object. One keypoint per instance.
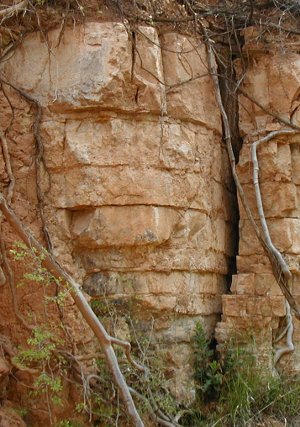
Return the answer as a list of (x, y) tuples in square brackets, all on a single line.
[(289, 348), (10, 174), (156, 418), (280, 268), (270, 113), (8, 12)]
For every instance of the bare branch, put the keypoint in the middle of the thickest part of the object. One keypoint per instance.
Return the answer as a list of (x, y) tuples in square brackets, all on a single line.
[(265, 229), (270, 113), (289, 348), (10, 174), (156, 418), (8, 12), (280, 268)]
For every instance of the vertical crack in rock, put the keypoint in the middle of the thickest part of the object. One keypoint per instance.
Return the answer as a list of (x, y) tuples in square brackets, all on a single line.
[(228, 84), (133, 56)]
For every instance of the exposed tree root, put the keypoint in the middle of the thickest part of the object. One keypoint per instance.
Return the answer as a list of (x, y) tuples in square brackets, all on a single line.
[(270, 113), (39, 163), (214, 74), (282, 271), (280, 268), (10, 11), (9, 351), (105, 340), (10, 174), (4, 260), (284, 282), (156, 415), (288, 332), (39, 156)]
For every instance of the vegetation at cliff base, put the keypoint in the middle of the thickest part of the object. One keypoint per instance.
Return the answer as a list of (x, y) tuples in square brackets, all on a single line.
[(233, 391)]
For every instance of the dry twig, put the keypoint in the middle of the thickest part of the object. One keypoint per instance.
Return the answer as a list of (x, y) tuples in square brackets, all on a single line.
[(10, 174), (39, 157), (288, 331), (8, 12)]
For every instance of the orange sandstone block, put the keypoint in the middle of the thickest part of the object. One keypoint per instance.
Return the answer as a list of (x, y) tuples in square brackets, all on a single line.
[(243, 284), (234, 305), (278, 306)]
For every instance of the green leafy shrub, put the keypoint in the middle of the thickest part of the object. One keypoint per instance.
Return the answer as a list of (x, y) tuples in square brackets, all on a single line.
[(235, 391), (208, 370)]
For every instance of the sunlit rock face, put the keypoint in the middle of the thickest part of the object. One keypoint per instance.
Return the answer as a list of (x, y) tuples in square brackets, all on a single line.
[(256, 308), (138, 196)]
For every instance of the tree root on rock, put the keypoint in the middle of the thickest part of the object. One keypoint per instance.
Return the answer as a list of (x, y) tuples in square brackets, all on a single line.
[(10, 11), (288, 333)]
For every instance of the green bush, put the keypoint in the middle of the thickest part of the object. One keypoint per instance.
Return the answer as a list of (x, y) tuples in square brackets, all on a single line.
[(234, 391), (208, 370)]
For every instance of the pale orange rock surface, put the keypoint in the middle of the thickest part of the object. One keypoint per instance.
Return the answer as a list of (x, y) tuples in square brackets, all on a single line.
[(138, 197), (138, 194)]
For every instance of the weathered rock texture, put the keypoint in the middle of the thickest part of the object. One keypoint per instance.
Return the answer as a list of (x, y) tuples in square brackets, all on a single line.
[(257, 304), (138, 196)]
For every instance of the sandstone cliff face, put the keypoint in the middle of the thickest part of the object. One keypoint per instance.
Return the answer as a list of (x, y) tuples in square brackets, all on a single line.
[(138, 196), (137, 190)]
